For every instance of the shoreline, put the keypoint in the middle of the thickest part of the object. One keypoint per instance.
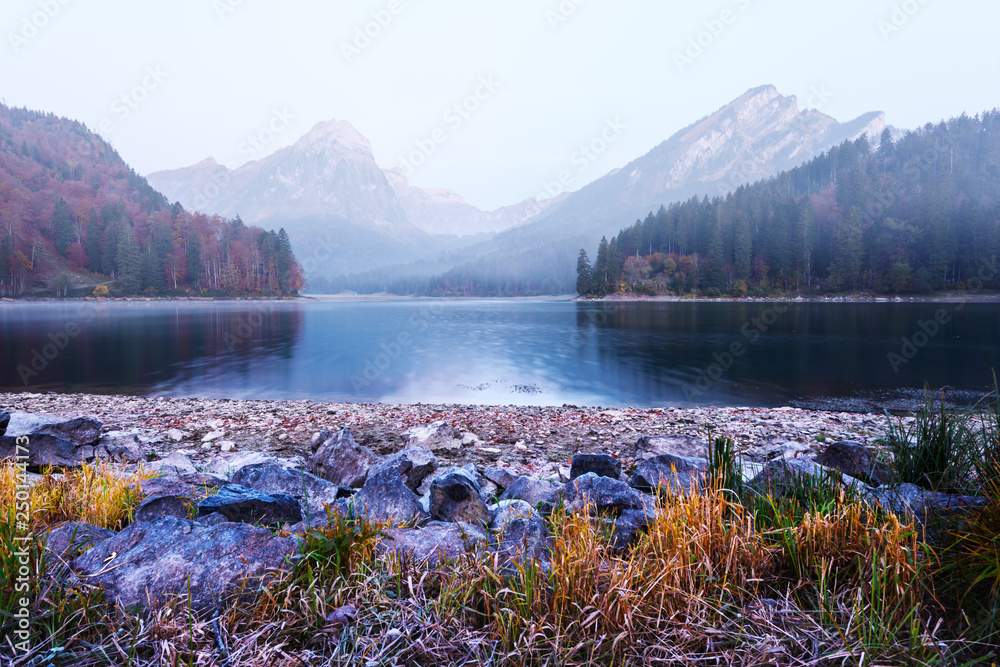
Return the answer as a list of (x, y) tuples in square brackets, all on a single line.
[(536, 441), (859, 298)]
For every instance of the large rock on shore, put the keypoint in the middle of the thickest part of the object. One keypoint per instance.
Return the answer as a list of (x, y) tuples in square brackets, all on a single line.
[(148, 563), (602, 493), (4, 420), (856, 460), (314, 493), (599, 464), (535, 492), (52, 441), (670, 473), (434, 543), (456, 496), (339, 460), (240, 504), (67, 540), (434, 437), (388, 495)]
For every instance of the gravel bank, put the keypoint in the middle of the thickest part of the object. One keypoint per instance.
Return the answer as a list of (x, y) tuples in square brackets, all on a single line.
[(526, 440)]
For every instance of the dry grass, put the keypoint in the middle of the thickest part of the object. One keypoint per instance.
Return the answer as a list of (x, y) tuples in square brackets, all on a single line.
[(710, 583)]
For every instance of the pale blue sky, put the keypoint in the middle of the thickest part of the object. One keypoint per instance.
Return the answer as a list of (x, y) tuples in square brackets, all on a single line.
[(226, 66)]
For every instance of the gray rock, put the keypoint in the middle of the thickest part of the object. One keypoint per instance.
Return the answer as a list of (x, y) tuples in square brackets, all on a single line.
[(782, 477), (54, 441), (913, 501), (212, 519), (416, 463), (311, 491), (648, 446), (457, 497), (174, 465), (120, 446), (229, 464), (508, 510), (535, 492), (242, 505), (434, 437), (526, 540), (154, 507), (317, 440), (4, 420), (147, 564), (386, 496), (627, 529), (856, 460), (341, 461), (776, 447), (502, 477), (603, 493), (163, 486), (670, 473), (205, 480), (434, 543), (68, 540), (599, 464)]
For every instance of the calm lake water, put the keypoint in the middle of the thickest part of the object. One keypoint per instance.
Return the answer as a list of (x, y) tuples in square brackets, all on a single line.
[(544, 352)]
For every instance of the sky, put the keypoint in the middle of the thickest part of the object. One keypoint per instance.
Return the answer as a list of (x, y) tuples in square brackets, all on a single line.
[(491, 99)]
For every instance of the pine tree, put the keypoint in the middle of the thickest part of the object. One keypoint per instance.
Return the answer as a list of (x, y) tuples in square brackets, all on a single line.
[(584, 274), (129, 261), (95, 230)]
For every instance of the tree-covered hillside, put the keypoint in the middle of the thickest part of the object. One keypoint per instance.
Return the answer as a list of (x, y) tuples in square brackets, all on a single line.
[(914, 215), (73, 215)]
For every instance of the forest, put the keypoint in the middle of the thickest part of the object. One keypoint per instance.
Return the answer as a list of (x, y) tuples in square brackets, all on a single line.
[(915, 215), (74, 218)]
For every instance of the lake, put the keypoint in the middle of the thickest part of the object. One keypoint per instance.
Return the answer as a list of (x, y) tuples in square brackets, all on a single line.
[(533, 352)]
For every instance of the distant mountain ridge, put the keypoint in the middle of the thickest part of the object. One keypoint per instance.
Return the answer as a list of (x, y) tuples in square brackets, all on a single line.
[(328, 183)]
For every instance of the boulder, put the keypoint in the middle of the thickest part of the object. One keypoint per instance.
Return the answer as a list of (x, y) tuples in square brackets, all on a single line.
[(782, 477), (912, 501), (148, 563), (229, 464), (627, 528), (457, 497), (341, 461), (54, 441), (776, 447), (670, 473), (154, 507), (434, 437), (68, 540), (242, 505), (856, 460), (525, 539), (163, 486), (4, 420), (648, 446), (120, 447), (502, 477), (606, 495), (434, 543), (533, 491), (203, 479), (311, 491), (601, 465), (507, 511), (386, 496), (174, 465), (415, 464)]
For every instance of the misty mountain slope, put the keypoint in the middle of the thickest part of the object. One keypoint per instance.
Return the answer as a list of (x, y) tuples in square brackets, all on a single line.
[(445, 212)]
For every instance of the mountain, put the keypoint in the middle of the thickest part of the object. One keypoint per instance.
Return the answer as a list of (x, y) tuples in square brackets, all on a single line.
[(756, 136), (445, 212), (75, 215)]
